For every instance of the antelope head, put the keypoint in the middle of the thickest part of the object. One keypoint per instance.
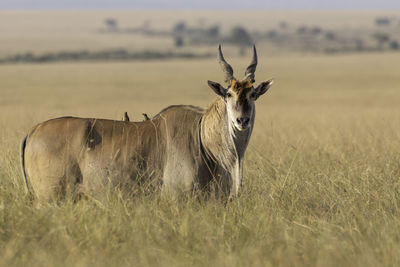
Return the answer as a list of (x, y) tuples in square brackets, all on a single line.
[(240, 95)]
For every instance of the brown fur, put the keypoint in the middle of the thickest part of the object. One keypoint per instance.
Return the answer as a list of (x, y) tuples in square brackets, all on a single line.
[(241, 88)]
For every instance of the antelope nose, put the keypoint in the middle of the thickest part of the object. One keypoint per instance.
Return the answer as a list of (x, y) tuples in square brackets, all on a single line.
[(243, 120)]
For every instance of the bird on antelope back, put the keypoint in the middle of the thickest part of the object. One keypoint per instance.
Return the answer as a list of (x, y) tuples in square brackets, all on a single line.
[(182, 148), (125, 117)]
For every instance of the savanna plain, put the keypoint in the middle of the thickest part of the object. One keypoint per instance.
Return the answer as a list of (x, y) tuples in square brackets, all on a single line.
[(322, 170)]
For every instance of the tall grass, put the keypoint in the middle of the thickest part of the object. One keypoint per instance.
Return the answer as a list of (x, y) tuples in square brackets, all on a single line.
[(322, 172)]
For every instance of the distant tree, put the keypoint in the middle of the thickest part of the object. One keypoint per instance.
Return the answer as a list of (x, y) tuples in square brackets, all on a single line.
[(316, 30), (330, 36), (179, 27), (178, 41), (381, 38), (239, 35), (395, 45), (302, 30), (382, 21), (213, 32), (111, 24), (272, 34)]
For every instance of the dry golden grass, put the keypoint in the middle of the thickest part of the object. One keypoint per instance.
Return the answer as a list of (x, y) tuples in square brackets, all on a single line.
[(322, 172)]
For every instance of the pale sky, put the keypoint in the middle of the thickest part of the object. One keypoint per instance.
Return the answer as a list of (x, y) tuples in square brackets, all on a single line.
[(202, 4)]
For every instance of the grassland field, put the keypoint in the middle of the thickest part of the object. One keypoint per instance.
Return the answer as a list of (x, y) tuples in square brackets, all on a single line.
[(322, 171)]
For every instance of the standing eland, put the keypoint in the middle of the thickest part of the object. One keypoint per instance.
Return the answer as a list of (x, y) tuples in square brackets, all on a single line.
[(183, 147)]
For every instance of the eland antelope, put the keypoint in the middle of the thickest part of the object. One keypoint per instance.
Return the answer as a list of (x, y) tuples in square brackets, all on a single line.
[(183, 147)]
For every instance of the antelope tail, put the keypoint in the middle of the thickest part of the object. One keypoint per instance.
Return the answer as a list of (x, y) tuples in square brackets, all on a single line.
[(23, 145)]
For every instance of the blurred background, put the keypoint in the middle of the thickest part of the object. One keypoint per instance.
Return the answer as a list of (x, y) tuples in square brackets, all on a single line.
[(49, 31)]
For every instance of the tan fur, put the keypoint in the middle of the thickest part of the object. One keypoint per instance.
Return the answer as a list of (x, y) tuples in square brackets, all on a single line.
[(214, 136), (181, 147)]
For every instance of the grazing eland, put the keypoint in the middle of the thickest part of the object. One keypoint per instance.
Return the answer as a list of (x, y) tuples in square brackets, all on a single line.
[(181, 148)]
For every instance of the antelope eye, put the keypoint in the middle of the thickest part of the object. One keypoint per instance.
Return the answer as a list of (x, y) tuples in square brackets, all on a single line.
[(228, 94)]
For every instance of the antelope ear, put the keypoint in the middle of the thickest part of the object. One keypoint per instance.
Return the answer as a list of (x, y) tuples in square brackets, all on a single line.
[(217, 88), (263, 87)]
